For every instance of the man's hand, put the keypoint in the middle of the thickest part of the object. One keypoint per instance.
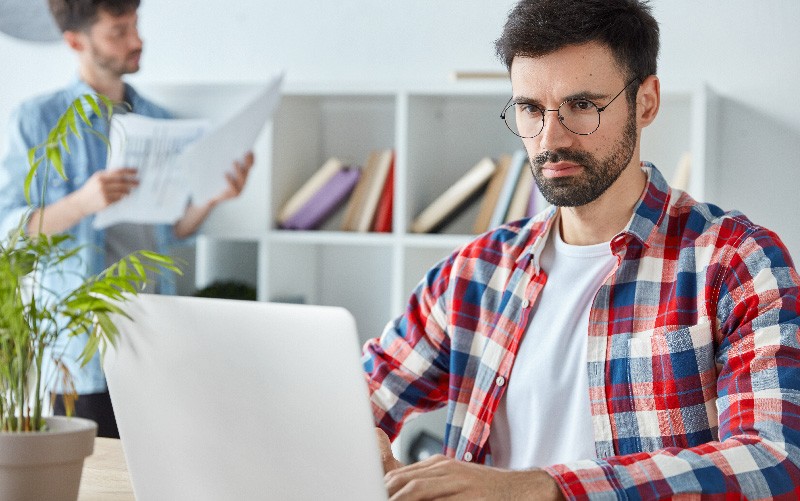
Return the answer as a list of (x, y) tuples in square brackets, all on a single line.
[(439, 477), (237, 178), (195, 215), (389, 462), (104, 188)]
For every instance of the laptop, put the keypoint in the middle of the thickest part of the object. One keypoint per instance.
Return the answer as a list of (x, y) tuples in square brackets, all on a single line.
[(222, 399)]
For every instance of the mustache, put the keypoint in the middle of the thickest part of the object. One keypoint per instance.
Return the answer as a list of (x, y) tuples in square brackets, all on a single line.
[(560, 155)]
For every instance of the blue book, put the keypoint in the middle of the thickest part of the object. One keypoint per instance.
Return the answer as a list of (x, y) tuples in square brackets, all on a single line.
[(518, 161)]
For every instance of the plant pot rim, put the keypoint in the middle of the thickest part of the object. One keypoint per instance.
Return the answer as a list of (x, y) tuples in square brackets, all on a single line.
[(58, 425), (73, 435)]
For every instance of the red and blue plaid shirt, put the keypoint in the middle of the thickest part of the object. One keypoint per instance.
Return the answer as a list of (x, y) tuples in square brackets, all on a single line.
[(693, 352)]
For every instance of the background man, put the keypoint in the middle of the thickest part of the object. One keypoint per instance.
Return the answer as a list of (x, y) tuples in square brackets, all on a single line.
[(629, 341), (104, 35)]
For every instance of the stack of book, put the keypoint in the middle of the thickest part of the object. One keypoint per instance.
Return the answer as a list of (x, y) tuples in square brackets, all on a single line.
[(504, 187), (367, 192)]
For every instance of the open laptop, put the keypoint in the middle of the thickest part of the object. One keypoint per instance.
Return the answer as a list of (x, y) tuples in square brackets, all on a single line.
[(221, 399)]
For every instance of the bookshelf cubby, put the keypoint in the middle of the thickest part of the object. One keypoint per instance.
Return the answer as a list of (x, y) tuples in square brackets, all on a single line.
[(438, 132)]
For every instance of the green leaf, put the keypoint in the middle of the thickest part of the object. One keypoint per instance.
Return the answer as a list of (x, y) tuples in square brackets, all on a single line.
[(81, 113), (137, 265), (54, 156), (108, 103), (71, 120), (95, 107), (123, 268), (29, 179)]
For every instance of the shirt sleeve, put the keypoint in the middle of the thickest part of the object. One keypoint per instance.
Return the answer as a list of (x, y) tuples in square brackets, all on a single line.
[(406, 368), (758, 396), (14, 168)]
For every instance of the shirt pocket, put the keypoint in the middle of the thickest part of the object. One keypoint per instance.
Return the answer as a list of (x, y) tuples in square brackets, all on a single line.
[(672, 379)]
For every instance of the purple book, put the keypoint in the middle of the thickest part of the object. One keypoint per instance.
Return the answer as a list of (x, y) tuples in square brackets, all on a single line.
[(325, 201)]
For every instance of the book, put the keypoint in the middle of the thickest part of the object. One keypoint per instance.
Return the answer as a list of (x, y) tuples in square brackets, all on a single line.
[(325, 201), (518, 207), (364, 201), (435, 215), (489, 199), (385, 210), (518, 160), (308, 189)]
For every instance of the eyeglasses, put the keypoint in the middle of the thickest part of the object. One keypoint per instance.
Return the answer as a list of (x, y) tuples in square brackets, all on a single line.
[(579, 116)]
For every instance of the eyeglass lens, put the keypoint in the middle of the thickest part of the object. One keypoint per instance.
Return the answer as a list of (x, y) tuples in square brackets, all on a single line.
[(579, 116)]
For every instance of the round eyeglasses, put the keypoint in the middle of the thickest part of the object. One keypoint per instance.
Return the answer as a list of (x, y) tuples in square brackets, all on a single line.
[(578, 115)]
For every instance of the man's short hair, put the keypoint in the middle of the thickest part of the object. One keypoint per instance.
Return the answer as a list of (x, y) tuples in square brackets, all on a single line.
[(539, 27), (79, 15)]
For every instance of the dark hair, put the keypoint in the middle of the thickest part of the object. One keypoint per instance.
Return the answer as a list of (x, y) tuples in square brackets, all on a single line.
[(539, 27), (78, 15)]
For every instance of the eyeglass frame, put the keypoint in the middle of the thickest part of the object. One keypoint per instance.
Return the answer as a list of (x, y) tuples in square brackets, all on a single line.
[(599, 109)]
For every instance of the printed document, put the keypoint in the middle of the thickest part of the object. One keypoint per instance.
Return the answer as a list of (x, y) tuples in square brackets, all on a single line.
[(179, 160), (150, 145)]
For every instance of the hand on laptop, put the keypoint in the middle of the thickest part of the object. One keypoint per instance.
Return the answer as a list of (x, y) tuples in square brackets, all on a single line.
[(440, 477), (389, 462)]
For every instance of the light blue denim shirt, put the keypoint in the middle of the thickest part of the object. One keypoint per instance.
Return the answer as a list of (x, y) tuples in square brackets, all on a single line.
[(29, 126)]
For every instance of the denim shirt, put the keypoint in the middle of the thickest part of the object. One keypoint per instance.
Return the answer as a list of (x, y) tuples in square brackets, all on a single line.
[(30, 124)]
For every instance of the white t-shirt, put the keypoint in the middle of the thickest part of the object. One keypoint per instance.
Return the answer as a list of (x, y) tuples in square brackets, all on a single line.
[(544, 416)]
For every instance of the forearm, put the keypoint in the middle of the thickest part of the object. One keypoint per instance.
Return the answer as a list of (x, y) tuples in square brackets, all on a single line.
[(743, 467), (57, 217), (192, 219)]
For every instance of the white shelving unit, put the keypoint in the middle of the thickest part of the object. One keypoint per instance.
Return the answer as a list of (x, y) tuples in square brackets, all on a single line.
[(437, 133)]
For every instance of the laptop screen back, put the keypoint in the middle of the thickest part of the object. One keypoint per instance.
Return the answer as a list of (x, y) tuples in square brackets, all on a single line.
[(222, 399)]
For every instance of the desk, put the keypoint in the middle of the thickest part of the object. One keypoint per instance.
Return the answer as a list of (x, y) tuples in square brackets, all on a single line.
[(105, 473)]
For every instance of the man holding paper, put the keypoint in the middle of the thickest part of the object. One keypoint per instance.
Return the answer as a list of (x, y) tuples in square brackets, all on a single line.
[(105, 37)]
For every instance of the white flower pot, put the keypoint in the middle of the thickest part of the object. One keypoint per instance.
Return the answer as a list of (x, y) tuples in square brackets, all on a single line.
[(46, 465)]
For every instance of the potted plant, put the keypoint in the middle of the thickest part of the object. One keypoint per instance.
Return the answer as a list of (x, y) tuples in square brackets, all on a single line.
[(31, 318)]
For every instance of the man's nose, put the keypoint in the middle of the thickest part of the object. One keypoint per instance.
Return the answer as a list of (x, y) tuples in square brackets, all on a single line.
[(554, 135), (135, 40)]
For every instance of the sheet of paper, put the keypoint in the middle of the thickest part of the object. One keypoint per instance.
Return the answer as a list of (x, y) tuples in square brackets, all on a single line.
[(152, 146), (181, 159), (206, 161)]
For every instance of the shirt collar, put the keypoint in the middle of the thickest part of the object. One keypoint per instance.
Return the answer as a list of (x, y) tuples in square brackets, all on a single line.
[(651, 208), (648, 213), (78, 88)]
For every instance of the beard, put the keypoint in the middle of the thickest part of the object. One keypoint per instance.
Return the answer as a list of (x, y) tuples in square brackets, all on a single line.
[(118, 66), (597, 175)]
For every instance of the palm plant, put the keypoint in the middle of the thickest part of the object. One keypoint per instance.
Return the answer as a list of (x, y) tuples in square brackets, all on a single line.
[(32, 317)]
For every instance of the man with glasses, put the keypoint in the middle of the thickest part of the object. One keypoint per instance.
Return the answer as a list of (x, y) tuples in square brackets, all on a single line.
[(629, 342)]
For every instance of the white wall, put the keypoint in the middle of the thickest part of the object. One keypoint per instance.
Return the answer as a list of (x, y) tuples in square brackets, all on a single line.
[(747, 51)]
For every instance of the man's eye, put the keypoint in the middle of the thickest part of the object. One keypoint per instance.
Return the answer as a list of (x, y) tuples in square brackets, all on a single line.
[(529, 109), (581, 106)]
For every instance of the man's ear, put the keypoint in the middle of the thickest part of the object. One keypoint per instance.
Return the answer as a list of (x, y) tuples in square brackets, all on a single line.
[(648, 99), (74, 39)]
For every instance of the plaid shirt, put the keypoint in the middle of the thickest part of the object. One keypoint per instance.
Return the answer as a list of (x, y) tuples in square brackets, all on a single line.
[(693, 352)]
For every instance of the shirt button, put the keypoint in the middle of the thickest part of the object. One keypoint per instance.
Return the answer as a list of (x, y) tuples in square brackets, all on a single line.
[(500, 380), (468, 457), (525, 303)]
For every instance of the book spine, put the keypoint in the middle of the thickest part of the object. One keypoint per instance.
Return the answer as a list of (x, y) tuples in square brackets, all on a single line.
[(507, 192), (325, 201), (379, 161), (384, 213)]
